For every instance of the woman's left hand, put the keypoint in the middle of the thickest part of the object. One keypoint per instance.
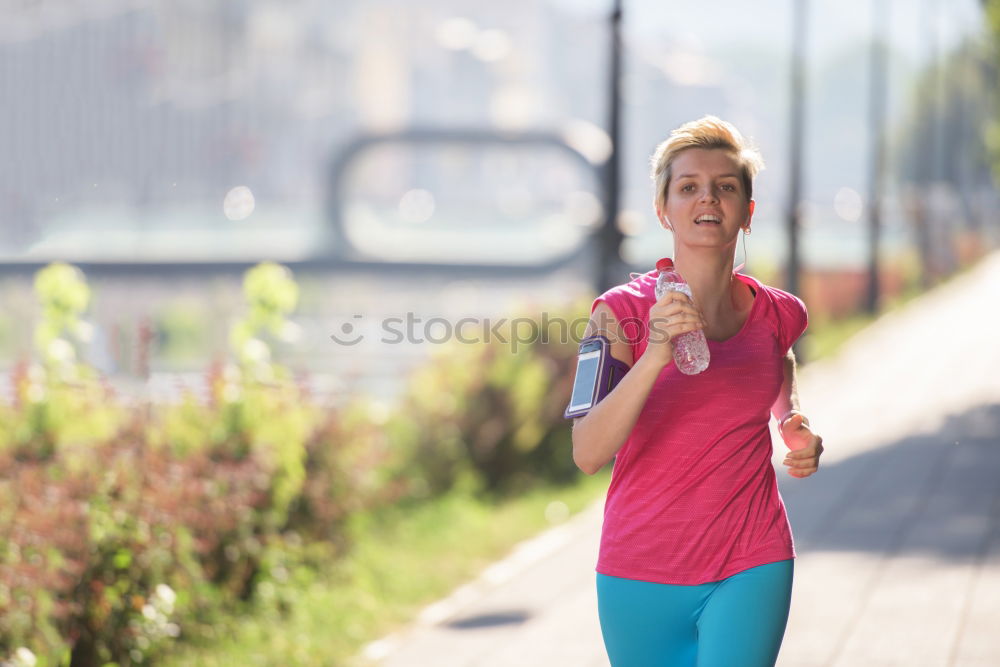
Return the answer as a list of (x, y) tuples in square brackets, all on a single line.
[(806, 446)]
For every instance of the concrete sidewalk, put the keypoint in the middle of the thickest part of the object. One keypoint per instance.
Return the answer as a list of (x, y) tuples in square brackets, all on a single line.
[(898, 535)]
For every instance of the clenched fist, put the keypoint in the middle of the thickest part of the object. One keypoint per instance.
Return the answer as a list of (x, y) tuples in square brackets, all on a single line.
[(806, 447)]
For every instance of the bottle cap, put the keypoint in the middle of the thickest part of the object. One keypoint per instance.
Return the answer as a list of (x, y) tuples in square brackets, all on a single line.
[(665, 264)]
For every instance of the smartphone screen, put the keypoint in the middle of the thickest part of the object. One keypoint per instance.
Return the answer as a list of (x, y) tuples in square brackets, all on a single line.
[(587, 366)]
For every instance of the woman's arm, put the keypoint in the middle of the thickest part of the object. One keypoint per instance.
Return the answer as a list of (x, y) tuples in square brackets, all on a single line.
[(788, 396), (806, 447), (598, 435)]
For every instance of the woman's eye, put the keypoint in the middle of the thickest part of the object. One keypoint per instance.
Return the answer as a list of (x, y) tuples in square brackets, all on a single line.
[(729, 187), (687, 188)]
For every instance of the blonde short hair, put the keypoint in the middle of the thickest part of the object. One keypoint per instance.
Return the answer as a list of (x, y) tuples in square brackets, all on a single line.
[(706, 132)]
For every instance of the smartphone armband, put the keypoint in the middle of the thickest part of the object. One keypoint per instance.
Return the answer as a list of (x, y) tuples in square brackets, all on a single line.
[(597, 373)]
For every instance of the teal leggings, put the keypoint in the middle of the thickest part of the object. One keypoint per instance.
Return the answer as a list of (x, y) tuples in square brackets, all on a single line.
[(737, 621)]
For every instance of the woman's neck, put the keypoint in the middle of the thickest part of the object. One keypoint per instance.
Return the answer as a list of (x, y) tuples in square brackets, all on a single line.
[(710, 276)]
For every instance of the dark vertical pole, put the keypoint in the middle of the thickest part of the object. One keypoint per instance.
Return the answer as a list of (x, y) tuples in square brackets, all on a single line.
[(876, 107), (610, 237), (795, 139), (939, 59), (926, 224), (942, 220)]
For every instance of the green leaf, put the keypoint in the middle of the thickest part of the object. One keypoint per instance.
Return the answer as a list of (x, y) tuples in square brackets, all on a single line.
[(122, 559)]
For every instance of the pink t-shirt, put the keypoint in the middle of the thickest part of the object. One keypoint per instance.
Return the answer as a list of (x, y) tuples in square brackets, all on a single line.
[(693, 495)]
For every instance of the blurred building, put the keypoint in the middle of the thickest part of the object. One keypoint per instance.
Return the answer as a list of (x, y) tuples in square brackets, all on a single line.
[(126, 123)]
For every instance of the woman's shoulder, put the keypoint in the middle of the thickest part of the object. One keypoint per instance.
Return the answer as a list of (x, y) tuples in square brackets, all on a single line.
[(630, 300), (787, 311), (774, 294), (641, 287)]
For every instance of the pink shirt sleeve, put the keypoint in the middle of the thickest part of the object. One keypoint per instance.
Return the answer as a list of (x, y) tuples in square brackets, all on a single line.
[(792, 318), (630, 305)]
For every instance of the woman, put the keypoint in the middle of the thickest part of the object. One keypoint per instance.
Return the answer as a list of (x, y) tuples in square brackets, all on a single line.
[(695, 564)]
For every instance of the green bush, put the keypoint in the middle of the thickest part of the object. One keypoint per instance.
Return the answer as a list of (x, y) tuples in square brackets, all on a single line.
[(255, 406), (95, 552), (353, 464), (58, 399), (495, 408)]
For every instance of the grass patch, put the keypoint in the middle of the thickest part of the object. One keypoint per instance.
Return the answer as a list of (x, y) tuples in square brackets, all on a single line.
[(403, 559), (826, 339)]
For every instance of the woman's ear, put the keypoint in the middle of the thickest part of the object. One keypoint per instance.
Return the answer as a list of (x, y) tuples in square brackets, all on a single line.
[(746, 225), (663, 221)]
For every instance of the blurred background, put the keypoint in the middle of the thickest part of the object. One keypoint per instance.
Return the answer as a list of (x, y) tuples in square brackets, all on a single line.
[(367, 143), (447, 160)]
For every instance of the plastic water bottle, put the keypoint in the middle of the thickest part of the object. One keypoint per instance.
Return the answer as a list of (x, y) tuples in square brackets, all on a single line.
[(690, 349)]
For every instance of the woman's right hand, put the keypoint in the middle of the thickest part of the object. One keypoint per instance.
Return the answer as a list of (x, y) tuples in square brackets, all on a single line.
[(672, 315)]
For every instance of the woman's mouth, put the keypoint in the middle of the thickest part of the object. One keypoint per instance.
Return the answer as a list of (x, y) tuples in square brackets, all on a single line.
[(708, 218)]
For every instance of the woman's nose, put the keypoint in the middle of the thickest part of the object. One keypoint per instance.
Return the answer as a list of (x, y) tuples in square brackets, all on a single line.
[(708, 194)]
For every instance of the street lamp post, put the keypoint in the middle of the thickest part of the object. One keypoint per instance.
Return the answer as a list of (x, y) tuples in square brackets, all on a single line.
[(795, 139), (876, 105), (610, 236)]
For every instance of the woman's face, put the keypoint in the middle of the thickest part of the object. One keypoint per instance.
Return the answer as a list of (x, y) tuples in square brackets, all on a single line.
[(706, 201)]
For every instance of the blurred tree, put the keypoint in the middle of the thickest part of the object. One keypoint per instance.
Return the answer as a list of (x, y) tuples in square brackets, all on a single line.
[(943, 163), (991, 74)]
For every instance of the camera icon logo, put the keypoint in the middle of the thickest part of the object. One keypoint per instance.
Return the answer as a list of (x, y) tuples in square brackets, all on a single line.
[(348, 336)]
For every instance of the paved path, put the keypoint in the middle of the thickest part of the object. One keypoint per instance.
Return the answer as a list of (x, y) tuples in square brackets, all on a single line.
[(898, 534)]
